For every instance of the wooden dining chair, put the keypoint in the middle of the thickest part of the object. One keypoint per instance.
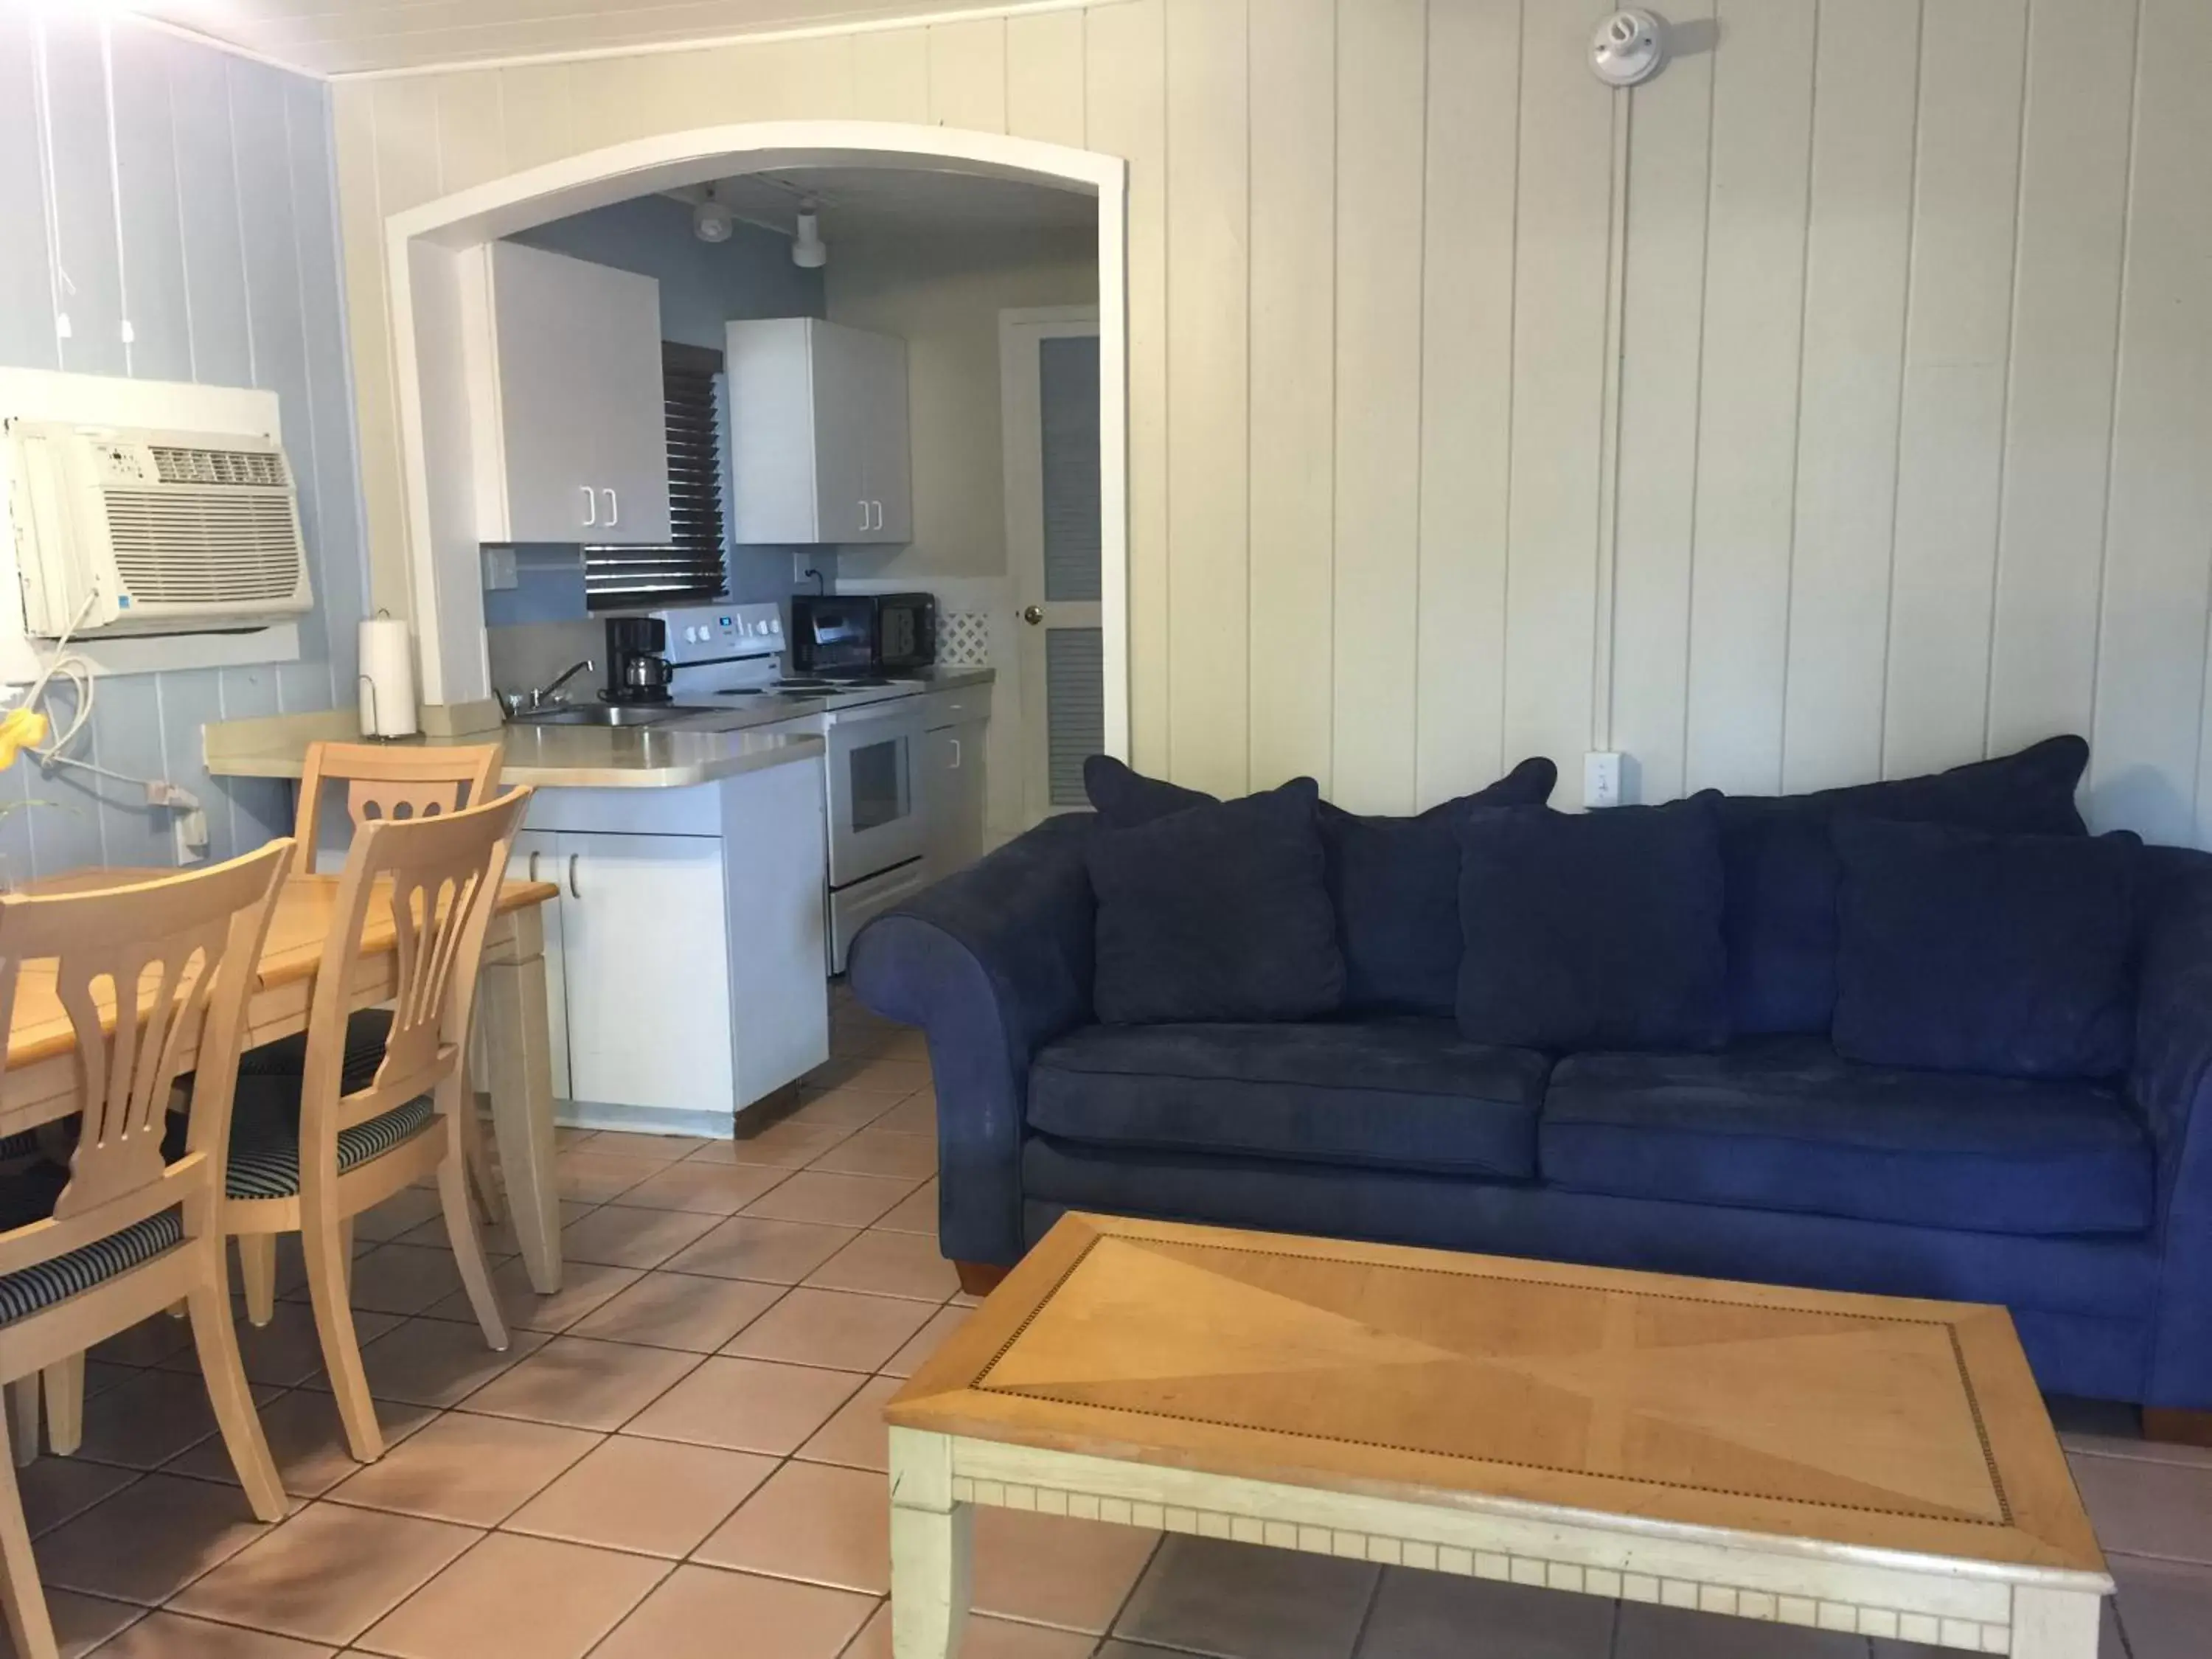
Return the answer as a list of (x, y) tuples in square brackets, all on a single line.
[(383, 784), (310, 1154), (170, 963)]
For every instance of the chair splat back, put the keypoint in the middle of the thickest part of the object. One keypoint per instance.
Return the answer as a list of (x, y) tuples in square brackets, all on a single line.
[(153, 978), (393, 785), (435, 879)]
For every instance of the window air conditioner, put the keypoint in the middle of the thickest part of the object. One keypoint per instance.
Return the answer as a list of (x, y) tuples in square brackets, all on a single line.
[(122, 531)]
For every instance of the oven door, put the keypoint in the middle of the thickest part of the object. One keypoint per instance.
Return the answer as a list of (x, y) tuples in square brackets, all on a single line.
[(875, 805)]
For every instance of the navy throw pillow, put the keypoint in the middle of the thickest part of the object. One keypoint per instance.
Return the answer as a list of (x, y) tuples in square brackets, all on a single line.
[(1395, 881), (1217, 913), (1124, 796), (1783, 873), (1962, 952), (1396, 885), (1593, 930)]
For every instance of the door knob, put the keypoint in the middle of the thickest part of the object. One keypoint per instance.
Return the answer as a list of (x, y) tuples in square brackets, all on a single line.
[(1033, 615)]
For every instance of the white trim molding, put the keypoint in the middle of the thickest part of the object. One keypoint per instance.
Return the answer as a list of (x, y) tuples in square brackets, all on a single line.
[(434, 268)]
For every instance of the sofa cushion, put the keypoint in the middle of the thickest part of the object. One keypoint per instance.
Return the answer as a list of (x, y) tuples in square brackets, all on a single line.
[(1221, 912), (1395, 881), (1124, 796), (1395, 885), (1782, 869), (1785, 1123), (1592, 930), (1390, 1093), (1962, 952)]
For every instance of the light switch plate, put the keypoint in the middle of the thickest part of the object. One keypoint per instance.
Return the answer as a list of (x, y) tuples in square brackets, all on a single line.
[(1602, 778)]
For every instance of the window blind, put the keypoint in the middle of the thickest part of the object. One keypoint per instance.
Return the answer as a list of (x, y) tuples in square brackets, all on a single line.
[(689, 566)]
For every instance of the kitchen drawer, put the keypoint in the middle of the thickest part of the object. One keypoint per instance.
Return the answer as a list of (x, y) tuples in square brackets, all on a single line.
[(957, 708), (697, 811)]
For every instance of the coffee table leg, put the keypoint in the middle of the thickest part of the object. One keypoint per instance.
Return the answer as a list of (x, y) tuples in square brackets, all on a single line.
[(929, 1548), (2053, 1623)]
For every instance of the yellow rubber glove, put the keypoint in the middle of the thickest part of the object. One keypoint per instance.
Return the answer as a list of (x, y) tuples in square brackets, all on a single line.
[(19, 729)]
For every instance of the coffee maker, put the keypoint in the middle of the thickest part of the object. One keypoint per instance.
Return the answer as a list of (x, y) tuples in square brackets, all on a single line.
[(637, 660)]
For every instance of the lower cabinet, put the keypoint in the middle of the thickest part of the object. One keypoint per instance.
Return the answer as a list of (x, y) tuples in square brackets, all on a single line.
[(954, 779), (684, 969)]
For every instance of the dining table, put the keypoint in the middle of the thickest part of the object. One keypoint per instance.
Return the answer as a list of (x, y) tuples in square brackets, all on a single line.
[(41, 1084)]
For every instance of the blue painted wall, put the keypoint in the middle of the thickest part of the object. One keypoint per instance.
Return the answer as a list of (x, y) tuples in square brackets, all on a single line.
[(703, 285), (210, 225)]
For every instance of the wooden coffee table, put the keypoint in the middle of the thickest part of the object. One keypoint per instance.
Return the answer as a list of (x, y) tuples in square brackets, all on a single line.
[(1854, 1463)]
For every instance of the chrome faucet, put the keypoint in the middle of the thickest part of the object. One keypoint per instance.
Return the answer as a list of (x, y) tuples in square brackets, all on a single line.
[(545, 696)]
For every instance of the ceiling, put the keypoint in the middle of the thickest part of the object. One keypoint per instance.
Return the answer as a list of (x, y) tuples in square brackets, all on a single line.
[(866, 201), (346, 37)]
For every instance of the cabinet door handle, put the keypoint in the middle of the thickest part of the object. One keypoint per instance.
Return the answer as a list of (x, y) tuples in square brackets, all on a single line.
[(614, 509), (591, 505), (956, 754), (533, 866), (572, 892)]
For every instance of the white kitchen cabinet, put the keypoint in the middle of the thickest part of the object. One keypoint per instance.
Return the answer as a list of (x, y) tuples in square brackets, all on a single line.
[(534, 857), (819, 447), (683, 958), (565, 391), (646, 968), (952, 782)]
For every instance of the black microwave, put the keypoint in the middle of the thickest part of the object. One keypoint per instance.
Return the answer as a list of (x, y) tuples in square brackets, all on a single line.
[(862, 633)]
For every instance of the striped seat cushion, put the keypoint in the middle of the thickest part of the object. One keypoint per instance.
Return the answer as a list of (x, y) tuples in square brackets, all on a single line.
[(265, 1146), (23, 1294), (366, 1032)]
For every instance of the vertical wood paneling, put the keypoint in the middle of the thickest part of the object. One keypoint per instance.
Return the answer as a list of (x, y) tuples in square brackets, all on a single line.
[(968, 75), (2074, 174), (534, 102), (83, 194), (1958, 328), (361, 218), (891, 74), (1557, 366), (407, 168), (275, 315), (1381, 133), (1124, 110), (207, 183), (1747, 397), (471, 130), (1209, 292), (1044, 77), (27, 306), (2146, 770), (153, 238), (341, 570), (618, 99), (1662, 338), (1858, 247), (1473, 111), (1294, 171)]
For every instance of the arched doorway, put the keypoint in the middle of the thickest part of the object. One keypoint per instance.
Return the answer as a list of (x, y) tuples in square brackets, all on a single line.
[(434, 252)]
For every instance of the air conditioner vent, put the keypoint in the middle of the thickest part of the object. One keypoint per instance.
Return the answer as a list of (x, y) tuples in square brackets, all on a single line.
[(174, 549), (258, 469)]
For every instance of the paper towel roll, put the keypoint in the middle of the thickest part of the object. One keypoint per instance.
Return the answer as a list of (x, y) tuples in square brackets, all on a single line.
[(387, 678)]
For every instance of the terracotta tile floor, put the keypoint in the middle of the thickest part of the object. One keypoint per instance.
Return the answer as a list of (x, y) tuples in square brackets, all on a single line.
[(686, 1444)]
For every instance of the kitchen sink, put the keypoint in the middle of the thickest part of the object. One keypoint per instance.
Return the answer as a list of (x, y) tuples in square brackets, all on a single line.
[(608, 714)]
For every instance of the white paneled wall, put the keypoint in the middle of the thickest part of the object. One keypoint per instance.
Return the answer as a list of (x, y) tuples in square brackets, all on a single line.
[(151, 181), (1911, 458)]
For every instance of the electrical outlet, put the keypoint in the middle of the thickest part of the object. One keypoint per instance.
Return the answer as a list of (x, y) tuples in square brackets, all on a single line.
[(1602, 778), (191, 830)]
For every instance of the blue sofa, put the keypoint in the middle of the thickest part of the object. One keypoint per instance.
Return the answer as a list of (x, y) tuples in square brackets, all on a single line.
[(2084, 1207)]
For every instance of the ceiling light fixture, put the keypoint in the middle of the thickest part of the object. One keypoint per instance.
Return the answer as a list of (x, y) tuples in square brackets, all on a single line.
[(808, 251), (710, 221)]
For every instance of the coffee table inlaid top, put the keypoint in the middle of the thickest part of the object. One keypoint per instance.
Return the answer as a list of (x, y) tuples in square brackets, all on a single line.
[(1877, 1422)]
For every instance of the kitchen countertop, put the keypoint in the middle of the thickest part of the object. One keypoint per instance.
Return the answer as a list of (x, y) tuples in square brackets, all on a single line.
[(724, 741)]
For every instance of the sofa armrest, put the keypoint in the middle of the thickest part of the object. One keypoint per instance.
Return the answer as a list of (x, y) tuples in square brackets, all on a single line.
[(2170, 1085), (994, 964)]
